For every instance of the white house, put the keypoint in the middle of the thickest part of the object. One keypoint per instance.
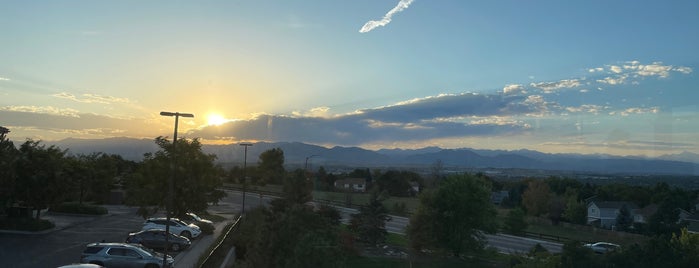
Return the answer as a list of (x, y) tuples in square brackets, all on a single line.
[(605, 213), (352, 184)]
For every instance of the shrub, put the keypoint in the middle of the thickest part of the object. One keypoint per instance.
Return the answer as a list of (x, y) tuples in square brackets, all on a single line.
[(77, 208), (25, 224)]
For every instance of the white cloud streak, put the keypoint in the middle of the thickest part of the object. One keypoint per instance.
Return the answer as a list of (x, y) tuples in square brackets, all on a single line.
[(91, 98), (372, 24)]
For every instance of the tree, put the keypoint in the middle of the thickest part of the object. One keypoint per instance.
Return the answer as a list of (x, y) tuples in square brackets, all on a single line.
[(575, 255), (370, 223), (575, 211), (271, 165), (515, 222), (456, 215), (8, 160), (40, 179), (397, 183), (195, 182), (536, 198), (624, 219), (291, 233)]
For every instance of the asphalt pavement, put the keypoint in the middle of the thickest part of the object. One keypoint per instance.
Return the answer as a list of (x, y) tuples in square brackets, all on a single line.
[(72, 223)]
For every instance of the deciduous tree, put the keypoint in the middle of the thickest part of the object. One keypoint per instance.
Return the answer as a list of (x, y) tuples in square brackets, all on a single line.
[(456, 215), (370, 223), (536, 198)]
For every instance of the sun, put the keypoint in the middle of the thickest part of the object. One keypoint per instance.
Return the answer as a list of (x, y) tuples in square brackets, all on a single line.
[(215, 120)]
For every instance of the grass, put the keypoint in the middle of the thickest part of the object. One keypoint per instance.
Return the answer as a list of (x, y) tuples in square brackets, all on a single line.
[(427, 262), (583, 233)]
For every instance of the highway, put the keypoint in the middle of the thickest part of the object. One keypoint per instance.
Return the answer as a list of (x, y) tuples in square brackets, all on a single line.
[(504, 243)]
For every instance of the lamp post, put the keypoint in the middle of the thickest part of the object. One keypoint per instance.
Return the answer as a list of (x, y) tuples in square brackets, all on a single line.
[(245, 176), (170, 193), (305, 168)]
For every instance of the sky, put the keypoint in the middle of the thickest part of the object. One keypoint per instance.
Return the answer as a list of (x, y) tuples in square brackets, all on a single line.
[(592, 77)]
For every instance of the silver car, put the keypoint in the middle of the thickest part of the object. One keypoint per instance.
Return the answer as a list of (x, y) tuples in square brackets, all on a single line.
[(602, 247), (123, 255)]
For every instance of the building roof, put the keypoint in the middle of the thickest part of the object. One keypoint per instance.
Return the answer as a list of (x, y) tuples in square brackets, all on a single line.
[(614, 204), (351, 181)]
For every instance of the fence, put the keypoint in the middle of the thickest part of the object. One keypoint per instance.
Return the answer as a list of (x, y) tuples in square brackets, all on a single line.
[(217, 249)]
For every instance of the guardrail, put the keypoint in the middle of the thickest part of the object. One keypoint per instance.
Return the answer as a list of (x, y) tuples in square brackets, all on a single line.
[(206, 261)]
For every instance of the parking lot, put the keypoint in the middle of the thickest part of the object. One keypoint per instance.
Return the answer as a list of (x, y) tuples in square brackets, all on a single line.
[(64, 244)]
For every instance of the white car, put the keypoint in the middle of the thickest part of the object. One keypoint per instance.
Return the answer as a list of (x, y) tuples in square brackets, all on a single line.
[(602, 247), (177, 227)]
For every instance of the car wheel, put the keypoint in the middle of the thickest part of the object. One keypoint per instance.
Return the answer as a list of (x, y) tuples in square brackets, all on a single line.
[(175, 247), (186, 234)]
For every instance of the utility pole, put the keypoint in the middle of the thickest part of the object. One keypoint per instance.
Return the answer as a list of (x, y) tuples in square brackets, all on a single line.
[(245, 172)]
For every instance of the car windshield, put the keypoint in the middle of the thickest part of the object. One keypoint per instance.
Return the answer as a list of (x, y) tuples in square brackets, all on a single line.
[(194, 216)]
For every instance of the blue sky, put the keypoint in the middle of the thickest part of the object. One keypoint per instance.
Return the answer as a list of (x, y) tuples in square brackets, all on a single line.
[(613, 77)]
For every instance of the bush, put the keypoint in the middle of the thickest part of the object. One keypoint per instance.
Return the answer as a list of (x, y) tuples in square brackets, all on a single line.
[(205, 228), (25, 224), (76, 208)]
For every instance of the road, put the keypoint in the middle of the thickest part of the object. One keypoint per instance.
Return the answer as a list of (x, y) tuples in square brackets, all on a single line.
[(502, 242)]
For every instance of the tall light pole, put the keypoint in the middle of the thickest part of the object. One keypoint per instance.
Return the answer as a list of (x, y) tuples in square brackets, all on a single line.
[(305, 167), (170, 193), (245, 176)]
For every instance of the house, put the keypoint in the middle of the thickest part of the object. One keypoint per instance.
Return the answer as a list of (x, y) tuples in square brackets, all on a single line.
[(351, 184), (604, 213), (498, 197), (414, 187), (693, 223), (644, 214)]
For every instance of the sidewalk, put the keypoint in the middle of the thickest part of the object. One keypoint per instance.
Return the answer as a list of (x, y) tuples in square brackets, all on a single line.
[(190, 257)]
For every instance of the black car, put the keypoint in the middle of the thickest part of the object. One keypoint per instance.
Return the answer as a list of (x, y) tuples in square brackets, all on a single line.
[(155, 239)]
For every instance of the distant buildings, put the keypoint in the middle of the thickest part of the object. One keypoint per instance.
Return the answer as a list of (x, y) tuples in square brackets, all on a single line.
[(351, 184)]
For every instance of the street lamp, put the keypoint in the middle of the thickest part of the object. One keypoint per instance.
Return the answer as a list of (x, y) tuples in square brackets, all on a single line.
[(305, 167), (170, 193), (245, 178)]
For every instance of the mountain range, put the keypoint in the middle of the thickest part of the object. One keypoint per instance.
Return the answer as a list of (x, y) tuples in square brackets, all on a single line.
[(300, 154)]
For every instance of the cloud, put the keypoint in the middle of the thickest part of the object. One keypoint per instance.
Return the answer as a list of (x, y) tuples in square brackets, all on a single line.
[(441, 116), (91, 98), (615, 69), (595, 70), (550, 87), (587, 108), (4, 79), (513, 89), (370, 25), (42, 110), (613, 80)]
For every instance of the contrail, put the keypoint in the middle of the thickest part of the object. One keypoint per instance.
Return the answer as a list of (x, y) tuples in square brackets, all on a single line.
[(370, 25)]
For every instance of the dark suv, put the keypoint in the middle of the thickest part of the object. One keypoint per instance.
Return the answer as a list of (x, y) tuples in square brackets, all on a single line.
[(123, 255), (155, 239)]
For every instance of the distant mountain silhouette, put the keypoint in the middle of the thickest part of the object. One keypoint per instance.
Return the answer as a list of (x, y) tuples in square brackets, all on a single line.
[(298, 154)]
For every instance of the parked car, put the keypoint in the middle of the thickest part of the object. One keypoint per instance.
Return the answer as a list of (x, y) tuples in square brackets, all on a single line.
[(602, 247), (123, 255), (206, 226), (155, 239), (177, 227), (81, 265)]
